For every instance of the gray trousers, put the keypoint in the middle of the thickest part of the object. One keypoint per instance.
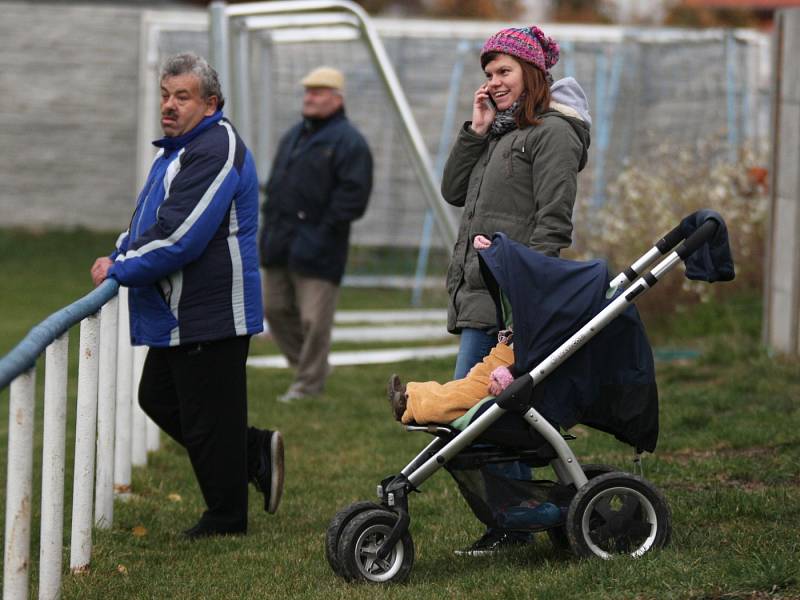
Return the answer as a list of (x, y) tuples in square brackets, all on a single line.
[(299, 311)]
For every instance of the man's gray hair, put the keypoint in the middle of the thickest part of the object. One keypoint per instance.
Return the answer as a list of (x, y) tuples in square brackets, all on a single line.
[(189, 62)]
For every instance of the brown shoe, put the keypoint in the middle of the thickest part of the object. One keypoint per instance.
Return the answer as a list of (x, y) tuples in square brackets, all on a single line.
[(396, 392)]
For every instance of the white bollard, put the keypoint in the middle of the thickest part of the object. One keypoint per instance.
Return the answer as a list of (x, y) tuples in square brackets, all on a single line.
[(19, 486), (122, 446), (85, 431), (139, 443), (53, 459), (106, 399)]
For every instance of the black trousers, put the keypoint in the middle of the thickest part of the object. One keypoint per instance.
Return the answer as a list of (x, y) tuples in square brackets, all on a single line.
[(197, 393)]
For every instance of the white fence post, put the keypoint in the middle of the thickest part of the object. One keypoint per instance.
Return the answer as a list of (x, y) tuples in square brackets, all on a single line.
[(153, 436), (782, 282), (53, 459), (122, 446), (85, 430), (20, 486), (106, 399), (139, 445)]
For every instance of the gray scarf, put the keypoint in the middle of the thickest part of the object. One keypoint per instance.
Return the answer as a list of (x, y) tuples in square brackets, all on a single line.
[(504, 120)]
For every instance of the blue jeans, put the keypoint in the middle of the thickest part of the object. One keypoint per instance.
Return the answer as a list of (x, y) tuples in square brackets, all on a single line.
[(473, 346)]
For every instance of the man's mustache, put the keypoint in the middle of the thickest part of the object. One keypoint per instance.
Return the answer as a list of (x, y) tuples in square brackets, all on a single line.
[(170, 115)]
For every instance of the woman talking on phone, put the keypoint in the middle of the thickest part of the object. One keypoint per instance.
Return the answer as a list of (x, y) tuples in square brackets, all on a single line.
[(514, 169)]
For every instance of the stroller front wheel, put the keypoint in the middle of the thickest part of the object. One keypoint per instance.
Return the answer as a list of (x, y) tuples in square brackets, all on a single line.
[(358, 548), (335, 529), (618, 513)]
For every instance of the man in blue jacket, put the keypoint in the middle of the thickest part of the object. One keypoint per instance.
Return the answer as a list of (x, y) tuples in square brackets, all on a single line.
[(190, 261), (320, 182)]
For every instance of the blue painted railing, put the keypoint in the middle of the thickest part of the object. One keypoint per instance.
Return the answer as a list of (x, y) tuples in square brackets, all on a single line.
[(23, 356)]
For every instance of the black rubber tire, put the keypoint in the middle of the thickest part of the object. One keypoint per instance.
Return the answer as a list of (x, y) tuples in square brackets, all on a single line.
[(558, 535), (361, 538), (337, 525), (618, 513)]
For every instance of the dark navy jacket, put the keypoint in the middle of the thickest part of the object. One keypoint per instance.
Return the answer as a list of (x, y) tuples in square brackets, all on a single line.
[(608, 384), (189, 256), (320, 182)]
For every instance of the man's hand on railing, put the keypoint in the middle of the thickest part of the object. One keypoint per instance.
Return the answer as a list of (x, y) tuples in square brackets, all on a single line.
[(100, 269)]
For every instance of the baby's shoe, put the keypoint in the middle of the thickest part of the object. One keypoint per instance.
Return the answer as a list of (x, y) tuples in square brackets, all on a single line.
[(397, 397)]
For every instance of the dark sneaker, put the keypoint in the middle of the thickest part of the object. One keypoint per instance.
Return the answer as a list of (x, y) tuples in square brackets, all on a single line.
[(268, 475), (396, 392), (203, 530), (494, 541)]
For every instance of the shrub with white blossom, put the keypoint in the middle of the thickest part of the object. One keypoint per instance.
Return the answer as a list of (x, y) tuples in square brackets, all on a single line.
[(652, 195)]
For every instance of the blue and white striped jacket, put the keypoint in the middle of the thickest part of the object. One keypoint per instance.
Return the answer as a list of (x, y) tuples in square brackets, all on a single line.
[(189, 255)]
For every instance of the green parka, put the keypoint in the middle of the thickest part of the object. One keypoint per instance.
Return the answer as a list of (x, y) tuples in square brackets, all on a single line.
[(523, 184)]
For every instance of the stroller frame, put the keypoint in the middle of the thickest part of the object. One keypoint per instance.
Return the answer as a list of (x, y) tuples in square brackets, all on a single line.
[(393, 491)]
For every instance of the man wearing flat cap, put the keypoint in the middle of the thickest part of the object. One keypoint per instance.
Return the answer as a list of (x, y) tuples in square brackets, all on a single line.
[(319, 183)]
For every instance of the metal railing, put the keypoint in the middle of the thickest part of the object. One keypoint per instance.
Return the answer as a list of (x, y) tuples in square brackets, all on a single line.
[(110, 427)]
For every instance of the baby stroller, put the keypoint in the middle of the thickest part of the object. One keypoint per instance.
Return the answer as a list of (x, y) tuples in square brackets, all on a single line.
[(592, 364)]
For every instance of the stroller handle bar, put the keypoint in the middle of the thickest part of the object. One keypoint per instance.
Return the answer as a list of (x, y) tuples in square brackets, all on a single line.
[(700, 236), (514, 398)]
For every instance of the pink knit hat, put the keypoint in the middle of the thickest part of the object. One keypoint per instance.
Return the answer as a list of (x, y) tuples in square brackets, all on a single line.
[(529, 44)]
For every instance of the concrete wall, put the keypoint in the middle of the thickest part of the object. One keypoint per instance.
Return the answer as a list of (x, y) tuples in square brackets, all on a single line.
[(782, 302), (69, 112)]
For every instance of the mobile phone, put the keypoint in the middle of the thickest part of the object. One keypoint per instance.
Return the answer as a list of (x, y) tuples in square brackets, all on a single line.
[(490, 104)]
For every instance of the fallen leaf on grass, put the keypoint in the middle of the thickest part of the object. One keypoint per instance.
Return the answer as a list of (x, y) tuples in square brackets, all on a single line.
[(122, 569), (174, 497), (139, 531)]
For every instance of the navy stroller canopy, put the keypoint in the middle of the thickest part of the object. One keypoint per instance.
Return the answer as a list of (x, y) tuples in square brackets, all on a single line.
[(609, 384)]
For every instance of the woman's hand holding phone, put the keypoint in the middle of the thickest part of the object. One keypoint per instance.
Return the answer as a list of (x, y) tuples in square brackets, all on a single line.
[(483, 110)]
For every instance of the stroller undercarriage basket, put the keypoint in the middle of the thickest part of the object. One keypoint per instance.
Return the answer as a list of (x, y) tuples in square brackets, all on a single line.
[(594, 510)]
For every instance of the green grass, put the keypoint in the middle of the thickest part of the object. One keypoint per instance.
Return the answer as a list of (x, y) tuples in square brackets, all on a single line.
[(727, 462)]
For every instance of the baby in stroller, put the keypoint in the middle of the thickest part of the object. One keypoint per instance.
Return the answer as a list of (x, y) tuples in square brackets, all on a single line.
[(421, 403), (432, 402)]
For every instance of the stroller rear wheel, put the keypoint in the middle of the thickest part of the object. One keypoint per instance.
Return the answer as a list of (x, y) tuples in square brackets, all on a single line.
[(334, 532), (558, 535), (618, 513), (358, 547)]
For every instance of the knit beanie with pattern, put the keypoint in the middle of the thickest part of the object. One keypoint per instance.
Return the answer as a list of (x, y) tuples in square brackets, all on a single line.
[(528, 43)]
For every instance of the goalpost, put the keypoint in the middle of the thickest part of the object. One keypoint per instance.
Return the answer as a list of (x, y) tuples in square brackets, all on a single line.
[(231, 29)]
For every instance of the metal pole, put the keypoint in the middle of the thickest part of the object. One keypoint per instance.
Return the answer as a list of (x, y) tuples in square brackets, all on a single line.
[(139, 444), (445, 140), (568, 52), (600, 93), (730, 89), (265, 108), (53, 459), (122, 430), (19, 486), (85, 431), (606, 104), (218, 44), (420, 157), (749, 85), (241, 97), (106, 400)]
